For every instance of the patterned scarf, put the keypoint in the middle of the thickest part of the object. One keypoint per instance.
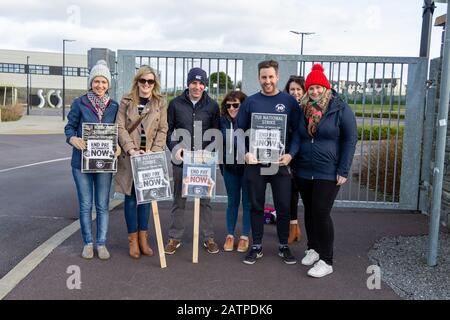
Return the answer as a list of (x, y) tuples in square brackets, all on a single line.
[(314, 110), (100, 103)]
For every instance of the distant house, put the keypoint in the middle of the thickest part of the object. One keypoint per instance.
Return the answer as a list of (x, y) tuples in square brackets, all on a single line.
[(372, 86), (388, 84), (350, 87)]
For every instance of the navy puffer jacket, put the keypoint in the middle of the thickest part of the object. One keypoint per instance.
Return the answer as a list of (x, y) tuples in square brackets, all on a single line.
[(331, 151), (82, 111)]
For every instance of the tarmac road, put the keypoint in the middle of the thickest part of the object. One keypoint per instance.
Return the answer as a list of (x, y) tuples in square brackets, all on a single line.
[(38, 201), (35, 201)]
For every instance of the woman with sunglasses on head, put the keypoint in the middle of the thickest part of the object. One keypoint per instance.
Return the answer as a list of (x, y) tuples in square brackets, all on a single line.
[(142, 124), (233, 173), (296, 88)]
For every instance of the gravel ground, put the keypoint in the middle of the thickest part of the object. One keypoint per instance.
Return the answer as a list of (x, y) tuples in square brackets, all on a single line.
[(403, 264)]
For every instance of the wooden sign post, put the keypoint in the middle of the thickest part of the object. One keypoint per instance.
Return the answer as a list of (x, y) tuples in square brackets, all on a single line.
[(151, 182), (162, 256), (196, 229), (199, 176)]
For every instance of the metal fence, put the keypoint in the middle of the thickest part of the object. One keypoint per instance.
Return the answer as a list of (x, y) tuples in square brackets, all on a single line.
[(387, 95)]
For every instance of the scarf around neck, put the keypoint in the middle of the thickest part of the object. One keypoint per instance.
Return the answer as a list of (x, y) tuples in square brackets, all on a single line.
[(99, 103), (314, 111)]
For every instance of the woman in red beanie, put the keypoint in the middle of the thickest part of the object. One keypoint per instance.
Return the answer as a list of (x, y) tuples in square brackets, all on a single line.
[(328, 137)]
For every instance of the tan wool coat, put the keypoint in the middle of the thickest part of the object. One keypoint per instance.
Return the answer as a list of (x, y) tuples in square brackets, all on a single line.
[(155, 127)]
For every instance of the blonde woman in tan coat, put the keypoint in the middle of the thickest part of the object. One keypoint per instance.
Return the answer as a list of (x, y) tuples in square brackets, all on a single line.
[(142, 123)]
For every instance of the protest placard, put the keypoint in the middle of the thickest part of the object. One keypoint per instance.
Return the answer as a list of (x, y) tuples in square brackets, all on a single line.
[(151, 183), (151, 177), (101, 145), (199, 181), (199, 174), (268, 136)]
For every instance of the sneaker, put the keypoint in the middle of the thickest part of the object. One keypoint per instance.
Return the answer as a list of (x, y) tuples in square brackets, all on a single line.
[(211, 246), (242, 245), (286, 255), (229, 243), (254, 254), (172, 246), (88, 251), (103, 253), (311, 257), (320, 269)]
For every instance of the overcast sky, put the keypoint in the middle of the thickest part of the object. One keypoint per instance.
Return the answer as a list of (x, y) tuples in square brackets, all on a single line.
[(342, 27)]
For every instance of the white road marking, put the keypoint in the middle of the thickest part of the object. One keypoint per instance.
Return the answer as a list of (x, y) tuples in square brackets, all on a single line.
[(34, 164), (27, 265)]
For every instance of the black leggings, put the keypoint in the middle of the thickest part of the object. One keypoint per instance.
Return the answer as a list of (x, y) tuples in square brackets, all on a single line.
[(294, 199), (281, 191), (318, 197)]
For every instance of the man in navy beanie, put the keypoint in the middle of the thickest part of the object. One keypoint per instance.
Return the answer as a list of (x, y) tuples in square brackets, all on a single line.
[(197, 74), (192, 109)]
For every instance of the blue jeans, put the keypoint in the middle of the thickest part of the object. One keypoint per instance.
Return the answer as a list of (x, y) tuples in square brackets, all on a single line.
[(86, 184), (234, 184), (136, 216)]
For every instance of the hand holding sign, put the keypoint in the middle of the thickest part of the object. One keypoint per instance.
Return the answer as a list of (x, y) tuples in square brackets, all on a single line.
[(285, 159), (179, 154), (77, 143), (133, 152), (211, 185), (118, 151), (250, 158)]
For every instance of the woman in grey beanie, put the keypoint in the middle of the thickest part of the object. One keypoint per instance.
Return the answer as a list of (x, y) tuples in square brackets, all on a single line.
[(94, 107)]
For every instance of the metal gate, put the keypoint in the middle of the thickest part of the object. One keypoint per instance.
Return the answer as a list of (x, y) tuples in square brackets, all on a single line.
[(387, 95)]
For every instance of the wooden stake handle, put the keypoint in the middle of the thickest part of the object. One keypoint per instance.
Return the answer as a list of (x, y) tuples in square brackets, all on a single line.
[(196, 229), (162, 256)]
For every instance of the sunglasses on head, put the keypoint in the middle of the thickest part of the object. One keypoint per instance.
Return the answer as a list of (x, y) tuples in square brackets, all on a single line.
[(294, 77), (233, 104), (149, 81)]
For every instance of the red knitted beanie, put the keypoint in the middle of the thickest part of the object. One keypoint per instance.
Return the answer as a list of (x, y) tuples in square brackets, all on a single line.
[(316, 76)]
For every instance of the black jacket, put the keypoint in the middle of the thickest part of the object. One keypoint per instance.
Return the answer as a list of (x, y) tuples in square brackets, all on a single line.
[(233, 167), (181, 115)]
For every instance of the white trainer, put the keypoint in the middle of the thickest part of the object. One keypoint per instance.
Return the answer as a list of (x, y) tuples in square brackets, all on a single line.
[(311, 257), (320, 269)]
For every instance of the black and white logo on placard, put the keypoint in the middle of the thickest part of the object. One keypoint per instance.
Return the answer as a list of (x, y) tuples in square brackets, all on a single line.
[(99, 164)]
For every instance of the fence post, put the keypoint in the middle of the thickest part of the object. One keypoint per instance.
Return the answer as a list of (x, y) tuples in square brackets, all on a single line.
[(441, 137), (424, 204), (412, 138)]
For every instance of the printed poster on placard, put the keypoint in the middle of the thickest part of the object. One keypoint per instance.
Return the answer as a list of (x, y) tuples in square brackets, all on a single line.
[(101, 145), (151, 177), (199, 174), (268, 136)]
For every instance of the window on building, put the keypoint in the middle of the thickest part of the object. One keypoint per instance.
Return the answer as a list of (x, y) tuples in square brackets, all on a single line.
[(43, 70), (12, 68), (71, 71), (37, 69), (84, 72)]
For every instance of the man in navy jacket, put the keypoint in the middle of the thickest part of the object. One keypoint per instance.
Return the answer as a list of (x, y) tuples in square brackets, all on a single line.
[(270, 100), (192, 109)]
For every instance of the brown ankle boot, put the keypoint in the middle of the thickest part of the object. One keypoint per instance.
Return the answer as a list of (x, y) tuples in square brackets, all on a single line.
[(134, 245), (299, 233), (294, 233), (143, 244)]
